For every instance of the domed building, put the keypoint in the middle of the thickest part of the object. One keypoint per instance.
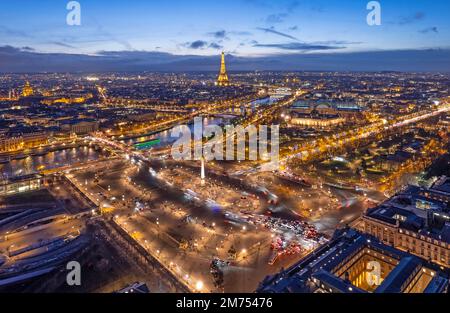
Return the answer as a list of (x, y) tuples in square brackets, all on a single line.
[(321, 115), (27, 90)]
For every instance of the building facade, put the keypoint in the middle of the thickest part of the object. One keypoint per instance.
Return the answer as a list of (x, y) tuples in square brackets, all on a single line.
[(416, 221), (80, 126), (354, 262), (19, 141), (21, 184)]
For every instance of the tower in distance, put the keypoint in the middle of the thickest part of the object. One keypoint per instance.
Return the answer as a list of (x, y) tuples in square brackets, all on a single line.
[(222, 80)]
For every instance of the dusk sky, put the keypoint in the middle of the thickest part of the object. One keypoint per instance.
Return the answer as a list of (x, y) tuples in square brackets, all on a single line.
[(244, 28)]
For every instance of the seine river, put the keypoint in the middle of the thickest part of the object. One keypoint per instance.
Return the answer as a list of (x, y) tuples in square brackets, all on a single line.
[(60, 158), (165, 137), (50, 160)]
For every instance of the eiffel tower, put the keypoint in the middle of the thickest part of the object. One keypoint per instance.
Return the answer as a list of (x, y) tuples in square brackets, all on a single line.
[(222, 80)]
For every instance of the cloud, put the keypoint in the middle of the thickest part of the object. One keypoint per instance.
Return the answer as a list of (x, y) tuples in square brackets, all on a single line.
[(201, 44), (9, 50), (276, 18), (318, 9), (104, 34), (220, 34), (260, 3), (337, 42), (13, 32), (214, 45), (101, 35), (62, 44), (427, 30), (225, 35), (284, 6), (120, 41), (13, 50), (286, 11), (418, 16), (308, 46), (292, 6), (240, 33), (198, 44), (18, 60), (282, 10), (298, 46), (293, 28), (275, 32)]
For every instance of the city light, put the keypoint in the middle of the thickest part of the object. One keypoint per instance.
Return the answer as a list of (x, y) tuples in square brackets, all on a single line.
[(199, 286), (290, 149)]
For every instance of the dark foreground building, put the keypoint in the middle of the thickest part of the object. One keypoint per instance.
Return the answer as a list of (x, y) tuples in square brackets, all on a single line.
[(354, 262), (416, 220)]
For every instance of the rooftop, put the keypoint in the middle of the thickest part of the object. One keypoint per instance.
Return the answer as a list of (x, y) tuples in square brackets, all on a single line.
[(417, 209), (326, 270)]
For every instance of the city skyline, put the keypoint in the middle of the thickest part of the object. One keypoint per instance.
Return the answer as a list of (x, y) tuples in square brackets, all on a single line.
[(285, 34), (236, 149)]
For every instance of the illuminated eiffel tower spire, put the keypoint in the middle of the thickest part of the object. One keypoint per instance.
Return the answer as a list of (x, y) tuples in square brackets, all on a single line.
[(222, 80)]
